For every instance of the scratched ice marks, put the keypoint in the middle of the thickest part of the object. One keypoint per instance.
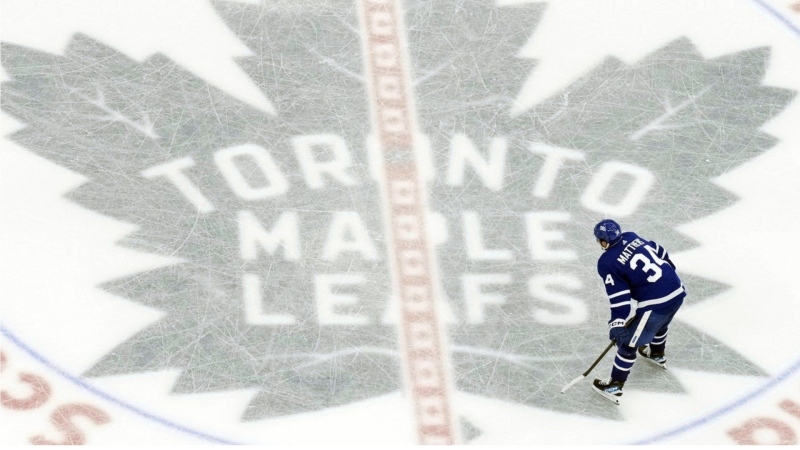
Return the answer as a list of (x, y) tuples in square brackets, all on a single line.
[(285, 284)]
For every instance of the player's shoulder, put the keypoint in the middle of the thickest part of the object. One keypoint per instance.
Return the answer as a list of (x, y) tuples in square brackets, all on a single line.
[(603, 264), (607, 258)]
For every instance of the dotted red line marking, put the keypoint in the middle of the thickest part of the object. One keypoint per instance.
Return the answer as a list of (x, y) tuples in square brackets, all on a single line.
[(421, 334)]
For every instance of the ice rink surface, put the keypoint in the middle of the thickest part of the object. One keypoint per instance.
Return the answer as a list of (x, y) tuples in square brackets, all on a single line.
[(369, 221)]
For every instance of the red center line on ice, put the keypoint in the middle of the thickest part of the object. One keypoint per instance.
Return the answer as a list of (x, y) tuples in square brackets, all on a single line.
[(411, 260)]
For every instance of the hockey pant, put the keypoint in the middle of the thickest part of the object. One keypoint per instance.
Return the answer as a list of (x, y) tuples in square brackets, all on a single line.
[(649, 327)]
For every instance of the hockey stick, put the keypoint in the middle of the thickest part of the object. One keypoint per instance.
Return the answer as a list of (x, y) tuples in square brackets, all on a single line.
[(571, 383)]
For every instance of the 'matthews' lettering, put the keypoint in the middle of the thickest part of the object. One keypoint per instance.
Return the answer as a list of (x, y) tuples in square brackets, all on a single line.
[(628, 251)]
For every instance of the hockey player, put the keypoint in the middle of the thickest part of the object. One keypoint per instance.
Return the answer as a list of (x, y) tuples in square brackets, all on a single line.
[(644, 292)]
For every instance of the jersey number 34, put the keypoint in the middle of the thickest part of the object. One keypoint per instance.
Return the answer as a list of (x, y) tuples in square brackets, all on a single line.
[(647, 265)]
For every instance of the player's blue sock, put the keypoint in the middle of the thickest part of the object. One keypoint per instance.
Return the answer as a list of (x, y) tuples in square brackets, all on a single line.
[(623, 362)]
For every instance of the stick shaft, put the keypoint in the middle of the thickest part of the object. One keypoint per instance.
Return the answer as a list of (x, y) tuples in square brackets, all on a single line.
[(572, 383), (597, 361)]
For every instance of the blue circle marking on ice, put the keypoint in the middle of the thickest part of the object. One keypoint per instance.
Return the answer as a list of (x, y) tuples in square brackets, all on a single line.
[(772, 383), (777, 15), (110, 398)]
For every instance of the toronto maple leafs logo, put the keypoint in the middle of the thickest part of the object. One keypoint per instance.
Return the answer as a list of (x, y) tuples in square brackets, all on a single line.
[(283, 281)]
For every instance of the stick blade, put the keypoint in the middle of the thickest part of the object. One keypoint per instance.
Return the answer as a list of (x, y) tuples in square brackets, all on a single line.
[(572, 383)]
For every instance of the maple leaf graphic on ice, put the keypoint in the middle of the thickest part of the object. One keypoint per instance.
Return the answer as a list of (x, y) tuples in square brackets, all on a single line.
[(206, 177)]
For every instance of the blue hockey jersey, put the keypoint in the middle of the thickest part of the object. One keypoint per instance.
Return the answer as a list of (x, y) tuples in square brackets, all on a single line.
[(638, 276)]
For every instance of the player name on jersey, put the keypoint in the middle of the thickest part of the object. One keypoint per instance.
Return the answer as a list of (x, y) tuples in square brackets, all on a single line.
[(627, 252)]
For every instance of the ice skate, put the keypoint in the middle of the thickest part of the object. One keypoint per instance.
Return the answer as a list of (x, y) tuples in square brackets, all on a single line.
[(610, 389), (658, 359)]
